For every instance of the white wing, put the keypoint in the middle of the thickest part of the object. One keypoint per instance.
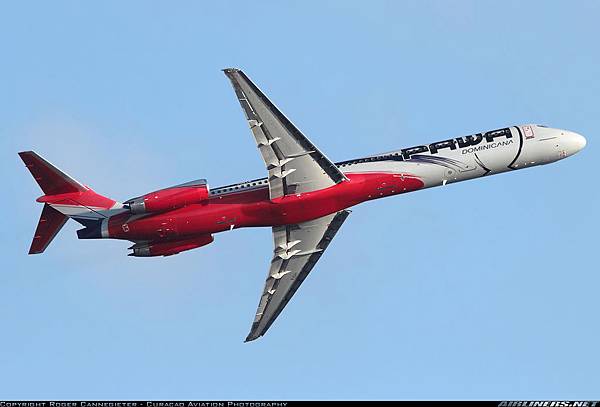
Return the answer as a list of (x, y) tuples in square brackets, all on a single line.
[(295, 165), (297, 249)]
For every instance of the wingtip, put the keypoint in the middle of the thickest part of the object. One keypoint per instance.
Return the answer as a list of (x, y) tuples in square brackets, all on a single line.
[(33, 249), (23, 154), (231, 70), (27, 156)]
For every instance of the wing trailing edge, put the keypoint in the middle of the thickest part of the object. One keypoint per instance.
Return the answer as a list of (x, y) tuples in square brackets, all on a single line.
[(297, 249), (294, 163)]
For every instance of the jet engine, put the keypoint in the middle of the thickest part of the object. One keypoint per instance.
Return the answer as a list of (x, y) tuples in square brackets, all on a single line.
[(169, 248), (170, 198)]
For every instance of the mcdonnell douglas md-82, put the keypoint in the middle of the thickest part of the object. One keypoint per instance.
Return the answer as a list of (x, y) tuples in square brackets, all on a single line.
[(304, 199)]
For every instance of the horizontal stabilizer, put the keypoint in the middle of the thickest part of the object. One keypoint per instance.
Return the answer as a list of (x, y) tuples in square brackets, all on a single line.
[(50, 223), (52, 180)]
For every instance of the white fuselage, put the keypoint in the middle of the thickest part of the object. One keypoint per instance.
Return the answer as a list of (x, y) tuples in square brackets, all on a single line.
[(475, 156), (460, 158)]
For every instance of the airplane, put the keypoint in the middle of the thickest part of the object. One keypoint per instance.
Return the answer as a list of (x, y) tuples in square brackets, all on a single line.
[(305, 198)]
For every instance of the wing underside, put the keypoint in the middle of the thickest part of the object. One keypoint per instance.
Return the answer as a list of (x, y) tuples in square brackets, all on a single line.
[(294, 164), (297, 249)]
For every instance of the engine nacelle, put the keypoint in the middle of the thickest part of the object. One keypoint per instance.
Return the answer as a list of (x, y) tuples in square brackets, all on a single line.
[(169, 248), (170, 198)]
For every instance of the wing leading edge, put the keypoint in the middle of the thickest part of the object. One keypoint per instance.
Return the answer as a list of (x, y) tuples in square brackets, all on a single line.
[(297, 249), (294, 164)]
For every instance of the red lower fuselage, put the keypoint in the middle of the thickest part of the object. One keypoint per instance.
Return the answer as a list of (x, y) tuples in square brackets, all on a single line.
[(254, 208)]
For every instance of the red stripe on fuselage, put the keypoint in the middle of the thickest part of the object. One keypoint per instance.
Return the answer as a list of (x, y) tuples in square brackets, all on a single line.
[(254, 208)]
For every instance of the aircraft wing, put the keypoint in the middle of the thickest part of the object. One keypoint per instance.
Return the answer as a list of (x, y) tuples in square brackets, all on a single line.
[(295, 165), (297, 249)]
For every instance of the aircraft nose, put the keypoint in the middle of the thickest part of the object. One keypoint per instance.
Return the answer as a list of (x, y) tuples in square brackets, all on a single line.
[(576, 142), (569, 143)]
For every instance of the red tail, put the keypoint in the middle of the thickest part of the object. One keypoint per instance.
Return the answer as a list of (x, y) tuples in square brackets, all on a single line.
[(64, 197), (52, 180), (50, 223)]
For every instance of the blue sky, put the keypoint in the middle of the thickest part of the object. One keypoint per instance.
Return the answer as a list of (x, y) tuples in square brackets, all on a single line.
[(484, 289)]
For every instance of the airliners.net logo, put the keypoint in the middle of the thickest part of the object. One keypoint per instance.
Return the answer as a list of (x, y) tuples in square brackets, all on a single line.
[(549, 404)]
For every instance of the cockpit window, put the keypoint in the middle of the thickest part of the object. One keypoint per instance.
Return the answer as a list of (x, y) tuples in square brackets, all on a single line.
[(541, 125)]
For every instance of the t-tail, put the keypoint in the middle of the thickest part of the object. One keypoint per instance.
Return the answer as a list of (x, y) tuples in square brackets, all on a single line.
[(63, 198)]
